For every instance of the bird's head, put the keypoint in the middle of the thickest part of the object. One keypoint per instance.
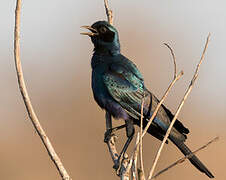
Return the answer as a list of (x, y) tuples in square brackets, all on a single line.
[(104, 37)]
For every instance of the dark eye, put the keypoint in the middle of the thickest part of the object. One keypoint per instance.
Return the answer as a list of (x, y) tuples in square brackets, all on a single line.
[(103, 29)]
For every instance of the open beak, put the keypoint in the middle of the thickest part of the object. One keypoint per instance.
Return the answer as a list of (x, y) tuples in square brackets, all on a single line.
[(92, 33)]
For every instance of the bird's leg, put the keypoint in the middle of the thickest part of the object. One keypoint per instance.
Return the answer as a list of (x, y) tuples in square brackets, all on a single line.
[(130, 133), (109, 132), (108, 120), (117, 128)]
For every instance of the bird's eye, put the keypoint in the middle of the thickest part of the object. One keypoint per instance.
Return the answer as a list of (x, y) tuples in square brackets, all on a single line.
[(103, 29)]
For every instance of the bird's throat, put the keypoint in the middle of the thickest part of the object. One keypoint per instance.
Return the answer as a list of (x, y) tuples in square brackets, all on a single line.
[(107, 50)]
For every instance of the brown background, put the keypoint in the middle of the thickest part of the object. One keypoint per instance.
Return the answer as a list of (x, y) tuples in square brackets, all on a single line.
[(56, 64)]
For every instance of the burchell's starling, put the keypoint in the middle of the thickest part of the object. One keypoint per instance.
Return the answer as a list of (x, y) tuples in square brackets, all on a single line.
[(118, 88)]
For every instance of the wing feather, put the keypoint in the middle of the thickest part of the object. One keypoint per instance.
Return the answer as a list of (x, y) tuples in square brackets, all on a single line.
[(125, 87)]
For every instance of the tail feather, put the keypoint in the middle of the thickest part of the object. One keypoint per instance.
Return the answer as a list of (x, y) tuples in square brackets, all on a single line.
[(193, 159)]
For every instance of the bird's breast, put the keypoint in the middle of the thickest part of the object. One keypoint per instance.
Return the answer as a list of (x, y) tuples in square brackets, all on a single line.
[(99, 90)]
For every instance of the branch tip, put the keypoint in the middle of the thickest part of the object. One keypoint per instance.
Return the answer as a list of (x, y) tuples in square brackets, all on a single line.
[(109, 12), (178, 111)]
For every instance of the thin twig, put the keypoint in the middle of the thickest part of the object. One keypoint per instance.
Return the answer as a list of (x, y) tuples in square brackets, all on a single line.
[(141, 139), (140, 175), (134, 165), (160, 102), (125, 167), (185, 157), (178, 110), (174, 59), (130, 162), (176, 77), (108, 12), (157, 108), (27, 101), (201, 60), (112, 149), (111, 142)]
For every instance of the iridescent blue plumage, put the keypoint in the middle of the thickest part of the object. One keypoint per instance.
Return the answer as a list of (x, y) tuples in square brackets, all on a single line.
[(118, 87)]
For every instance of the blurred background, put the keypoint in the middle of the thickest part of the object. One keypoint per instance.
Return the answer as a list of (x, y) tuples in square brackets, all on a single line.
[(56, 65)]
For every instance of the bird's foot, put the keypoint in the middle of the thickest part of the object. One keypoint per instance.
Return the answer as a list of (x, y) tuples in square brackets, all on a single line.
[(117, 164), (121, 164), (110, 132), (107, 135)]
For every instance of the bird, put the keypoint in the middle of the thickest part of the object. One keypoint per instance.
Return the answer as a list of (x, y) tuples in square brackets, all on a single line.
[(118, 88)]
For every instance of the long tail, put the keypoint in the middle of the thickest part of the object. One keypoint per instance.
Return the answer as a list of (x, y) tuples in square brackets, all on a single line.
[(193, 159)]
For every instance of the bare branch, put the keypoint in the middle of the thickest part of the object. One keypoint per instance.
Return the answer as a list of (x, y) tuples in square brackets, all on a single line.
[(27, 101), (185, 157), (141, 139), (178, 110), (111, 141), (134, 165), (125, 167), (174, 59), (156, 110), (161, 101), (201, 60), (108, 12), (140, 175), (176, 77), (112, 149)]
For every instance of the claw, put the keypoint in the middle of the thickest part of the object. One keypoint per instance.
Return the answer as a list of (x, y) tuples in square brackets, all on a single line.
[(107, 135), (116, 165)]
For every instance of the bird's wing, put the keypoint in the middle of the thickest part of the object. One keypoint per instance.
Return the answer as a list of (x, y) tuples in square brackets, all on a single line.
[(125, 84), (127, 88)]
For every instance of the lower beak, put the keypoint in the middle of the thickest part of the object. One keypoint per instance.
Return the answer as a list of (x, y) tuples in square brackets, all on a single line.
[(92, 33)]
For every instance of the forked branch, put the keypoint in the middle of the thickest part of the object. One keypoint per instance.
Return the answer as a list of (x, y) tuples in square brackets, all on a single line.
[(178, 109), (154, 114), (127, 163)]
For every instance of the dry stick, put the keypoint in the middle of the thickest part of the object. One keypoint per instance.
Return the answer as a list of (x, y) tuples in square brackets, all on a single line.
[(176, 77), (156, 111), (125, 166), (27, 101), (134, 165), (140, 175), (174, 59), (141, 128), (112, 149), (133, 161), (160, 102), (111, 143), (178, 110), (185, 157), (125, 172), (140, 172), (157, 108), (141, 139), (108, 12)]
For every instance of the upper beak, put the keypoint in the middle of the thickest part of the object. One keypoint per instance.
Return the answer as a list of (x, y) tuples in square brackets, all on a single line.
[(92, 33)]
